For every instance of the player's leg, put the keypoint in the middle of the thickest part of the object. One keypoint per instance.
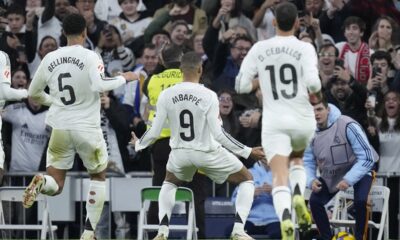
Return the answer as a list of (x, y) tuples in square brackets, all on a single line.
[(361, 192), (60, 154), (166, 202), (281, 194), (244, 201), (92, 149), (179, 169), (317, 205), (298, 178), (300, 139)]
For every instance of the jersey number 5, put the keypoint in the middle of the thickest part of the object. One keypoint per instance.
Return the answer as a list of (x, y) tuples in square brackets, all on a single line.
[(183, 117), (66, 87), (284, 80)]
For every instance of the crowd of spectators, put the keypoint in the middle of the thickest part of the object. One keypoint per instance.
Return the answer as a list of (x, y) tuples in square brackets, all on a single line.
[(358, 45)]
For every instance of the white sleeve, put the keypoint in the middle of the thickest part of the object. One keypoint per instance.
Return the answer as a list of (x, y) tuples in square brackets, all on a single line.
[(154, 131), (310, 69), (99, 83), (218, 132), (248, 70), (37, 86), (9, 114), (6, 92)]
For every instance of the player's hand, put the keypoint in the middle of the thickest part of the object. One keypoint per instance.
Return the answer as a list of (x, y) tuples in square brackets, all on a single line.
[(342, 185), (133, 140), (130, 76), (257, 153), (316, 186)]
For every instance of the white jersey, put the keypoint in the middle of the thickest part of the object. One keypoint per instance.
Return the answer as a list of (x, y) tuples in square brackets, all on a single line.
[(192, 111), (6, 92), (75, 77), (287, 69)]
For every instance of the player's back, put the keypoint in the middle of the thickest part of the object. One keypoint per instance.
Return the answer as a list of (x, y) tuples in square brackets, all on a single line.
[(187, 105), (67, 73), (287, 68)]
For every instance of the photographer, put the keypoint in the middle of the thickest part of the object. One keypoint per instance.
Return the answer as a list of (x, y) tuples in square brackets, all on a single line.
[(380, 82)]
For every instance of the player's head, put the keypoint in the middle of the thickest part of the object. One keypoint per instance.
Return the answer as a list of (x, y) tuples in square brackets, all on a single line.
[(170, 55), (191, 64), (74, 25), (286, 16)]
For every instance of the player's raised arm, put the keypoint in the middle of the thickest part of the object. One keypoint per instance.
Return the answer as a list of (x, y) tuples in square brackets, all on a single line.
[(100, 83), (154, 131), (37, 86), (248, 71), (6, 92)]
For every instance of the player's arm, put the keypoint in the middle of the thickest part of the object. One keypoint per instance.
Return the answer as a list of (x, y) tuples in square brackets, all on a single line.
[(6, 91), (37, 86), (157, 125), (248, 71), (100, 83), (310, 69), (364, 154), (219, 133)]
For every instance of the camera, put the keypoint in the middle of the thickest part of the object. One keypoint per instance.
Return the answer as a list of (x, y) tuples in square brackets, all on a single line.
[(375, 71), (339, 62)]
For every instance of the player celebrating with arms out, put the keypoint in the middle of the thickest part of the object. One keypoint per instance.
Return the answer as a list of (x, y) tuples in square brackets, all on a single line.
[(75, 77), (192, 111), (288, 77)]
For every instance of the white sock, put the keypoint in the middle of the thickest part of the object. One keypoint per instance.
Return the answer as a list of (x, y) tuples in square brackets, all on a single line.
[(166, 202), (94, 203), (50, 186), (297, 175), (243, 204), (282, 200)]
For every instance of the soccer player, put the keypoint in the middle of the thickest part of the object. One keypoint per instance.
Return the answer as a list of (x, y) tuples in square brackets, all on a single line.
[(288, 77), (192, 112), (7, 93), (75, 77)]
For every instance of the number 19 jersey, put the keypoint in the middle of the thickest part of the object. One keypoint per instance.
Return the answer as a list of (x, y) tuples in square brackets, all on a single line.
[(75, 77), (287, 69)]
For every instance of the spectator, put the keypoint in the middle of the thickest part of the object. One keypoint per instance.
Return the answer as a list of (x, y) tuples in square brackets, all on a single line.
[(337, 135), (332, 19), (262, 219), (131, 23), (262, 19), (160, 38), (380, 82), (94, 25), (388, 129), (48, 44), (180, 34), (177, 10), (354, 52), (326, 63), (384, 34), (116, 57), (227, 113)]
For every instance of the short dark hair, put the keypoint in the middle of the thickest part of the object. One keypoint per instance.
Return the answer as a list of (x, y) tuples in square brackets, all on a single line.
[(171, 54), (15, 9), (328, 45), (121, 1), (190, 61), (243, 38), (354, 20), (379, 55), (286, 15), (74, 24)]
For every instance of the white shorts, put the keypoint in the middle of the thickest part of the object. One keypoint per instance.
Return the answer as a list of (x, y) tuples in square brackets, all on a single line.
[(283, 140), (217, 165), (90, 146)]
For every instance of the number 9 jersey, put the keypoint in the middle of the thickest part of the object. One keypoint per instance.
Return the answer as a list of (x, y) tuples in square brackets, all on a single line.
[(192, 111)]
